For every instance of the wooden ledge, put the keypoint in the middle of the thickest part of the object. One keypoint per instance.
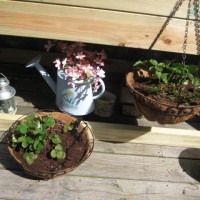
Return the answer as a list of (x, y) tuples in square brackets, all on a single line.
[(130, 133)]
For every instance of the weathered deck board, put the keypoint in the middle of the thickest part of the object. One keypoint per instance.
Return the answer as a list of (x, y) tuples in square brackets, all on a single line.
[(73, 187), (115, 170), (106, 175), (116, 166), (136, 150)]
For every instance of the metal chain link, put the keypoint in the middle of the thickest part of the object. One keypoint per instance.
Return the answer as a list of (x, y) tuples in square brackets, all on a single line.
[(184, 47), (196, 4), (186, 34), (197, 30), (173, 12)]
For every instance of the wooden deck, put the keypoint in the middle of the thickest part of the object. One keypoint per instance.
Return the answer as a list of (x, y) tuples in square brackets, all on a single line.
[(128, 162), (133, 159)]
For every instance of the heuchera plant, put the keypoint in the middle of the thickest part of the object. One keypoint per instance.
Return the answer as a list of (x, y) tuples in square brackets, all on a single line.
[(79, 63)]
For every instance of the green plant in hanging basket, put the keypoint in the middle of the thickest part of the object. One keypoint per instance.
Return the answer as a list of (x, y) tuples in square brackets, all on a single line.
[(49, 144), (170, 88)]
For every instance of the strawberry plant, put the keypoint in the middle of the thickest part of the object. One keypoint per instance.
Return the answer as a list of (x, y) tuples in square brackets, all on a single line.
[(176, 81), (57, 152), (30, 134), (47, 144)]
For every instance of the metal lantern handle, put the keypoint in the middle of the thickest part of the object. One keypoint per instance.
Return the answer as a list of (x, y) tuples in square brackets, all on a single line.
[(4, 76)]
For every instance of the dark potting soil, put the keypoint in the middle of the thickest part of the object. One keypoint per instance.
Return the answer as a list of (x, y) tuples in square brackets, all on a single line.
[(74, 144), (166, 97)]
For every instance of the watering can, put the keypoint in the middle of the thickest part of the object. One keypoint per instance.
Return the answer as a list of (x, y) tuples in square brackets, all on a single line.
[(77, 101)]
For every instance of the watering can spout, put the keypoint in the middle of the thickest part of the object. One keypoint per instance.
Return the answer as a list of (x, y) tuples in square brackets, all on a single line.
[(36, 63)]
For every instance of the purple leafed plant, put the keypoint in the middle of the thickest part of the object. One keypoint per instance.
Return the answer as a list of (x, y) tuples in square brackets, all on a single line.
[(79, 63)]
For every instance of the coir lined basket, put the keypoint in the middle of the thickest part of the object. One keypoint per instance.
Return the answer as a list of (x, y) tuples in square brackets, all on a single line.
[(155, 111), (81, 142)]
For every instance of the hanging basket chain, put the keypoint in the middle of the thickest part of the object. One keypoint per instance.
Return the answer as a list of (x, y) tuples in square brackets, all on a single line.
[(186, 34), (180, 88), (196, 4), (173, 12)]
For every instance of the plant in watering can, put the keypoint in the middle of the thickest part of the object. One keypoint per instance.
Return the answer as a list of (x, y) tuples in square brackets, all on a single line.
[(79, 77)]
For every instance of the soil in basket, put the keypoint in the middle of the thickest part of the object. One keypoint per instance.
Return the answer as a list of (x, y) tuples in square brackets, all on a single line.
[(163, 98), (75, 145)]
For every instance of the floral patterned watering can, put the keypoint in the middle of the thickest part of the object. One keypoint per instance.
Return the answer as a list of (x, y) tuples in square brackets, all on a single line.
[(77, 100)]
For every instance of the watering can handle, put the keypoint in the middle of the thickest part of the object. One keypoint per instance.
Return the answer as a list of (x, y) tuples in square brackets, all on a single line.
[(102, 90)]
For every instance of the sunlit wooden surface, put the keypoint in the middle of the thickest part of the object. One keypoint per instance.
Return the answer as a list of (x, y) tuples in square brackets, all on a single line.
[(123, 165), (118, 23)]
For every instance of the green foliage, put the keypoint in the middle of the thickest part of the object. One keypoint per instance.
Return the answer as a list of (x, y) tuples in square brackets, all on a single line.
[(171, 76), (67, 128), (57, 152), (29, 157), (55, 138), (30, 134)]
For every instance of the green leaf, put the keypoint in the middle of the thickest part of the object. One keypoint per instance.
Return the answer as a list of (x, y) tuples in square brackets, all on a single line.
[(31, 147), (138, 63), (41, 137), (24, 144), (30, 140), (14, 139), (23, 128), (56, 139), (164, 77), (37, 131), (33, 155), (158, 74), (159, 68), (21, 139), (30, 118), (53, 153), (153, 62), (49, 121), (25, 155), (58, 147), (152, 69), (67, 128), (60, 155), (162, 65), (29, 160), (153, 88), (40, 146), (35, 145)]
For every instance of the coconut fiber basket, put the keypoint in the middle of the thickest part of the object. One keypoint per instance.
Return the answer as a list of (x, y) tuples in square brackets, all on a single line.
[(83, 128), (155, 111)]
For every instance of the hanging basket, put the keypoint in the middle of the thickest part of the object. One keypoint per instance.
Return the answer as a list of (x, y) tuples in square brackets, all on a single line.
[(72, 145), (156, 111)]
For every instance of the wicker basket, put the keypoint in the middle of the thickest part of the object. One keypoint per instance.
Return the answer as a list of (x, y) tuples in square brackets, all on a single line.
[(84, 127), (155, 111)]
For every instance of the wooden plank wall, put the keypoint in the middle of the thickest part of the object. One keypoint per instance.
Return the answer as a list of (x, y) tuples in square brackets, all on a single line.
[(119, 23)]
